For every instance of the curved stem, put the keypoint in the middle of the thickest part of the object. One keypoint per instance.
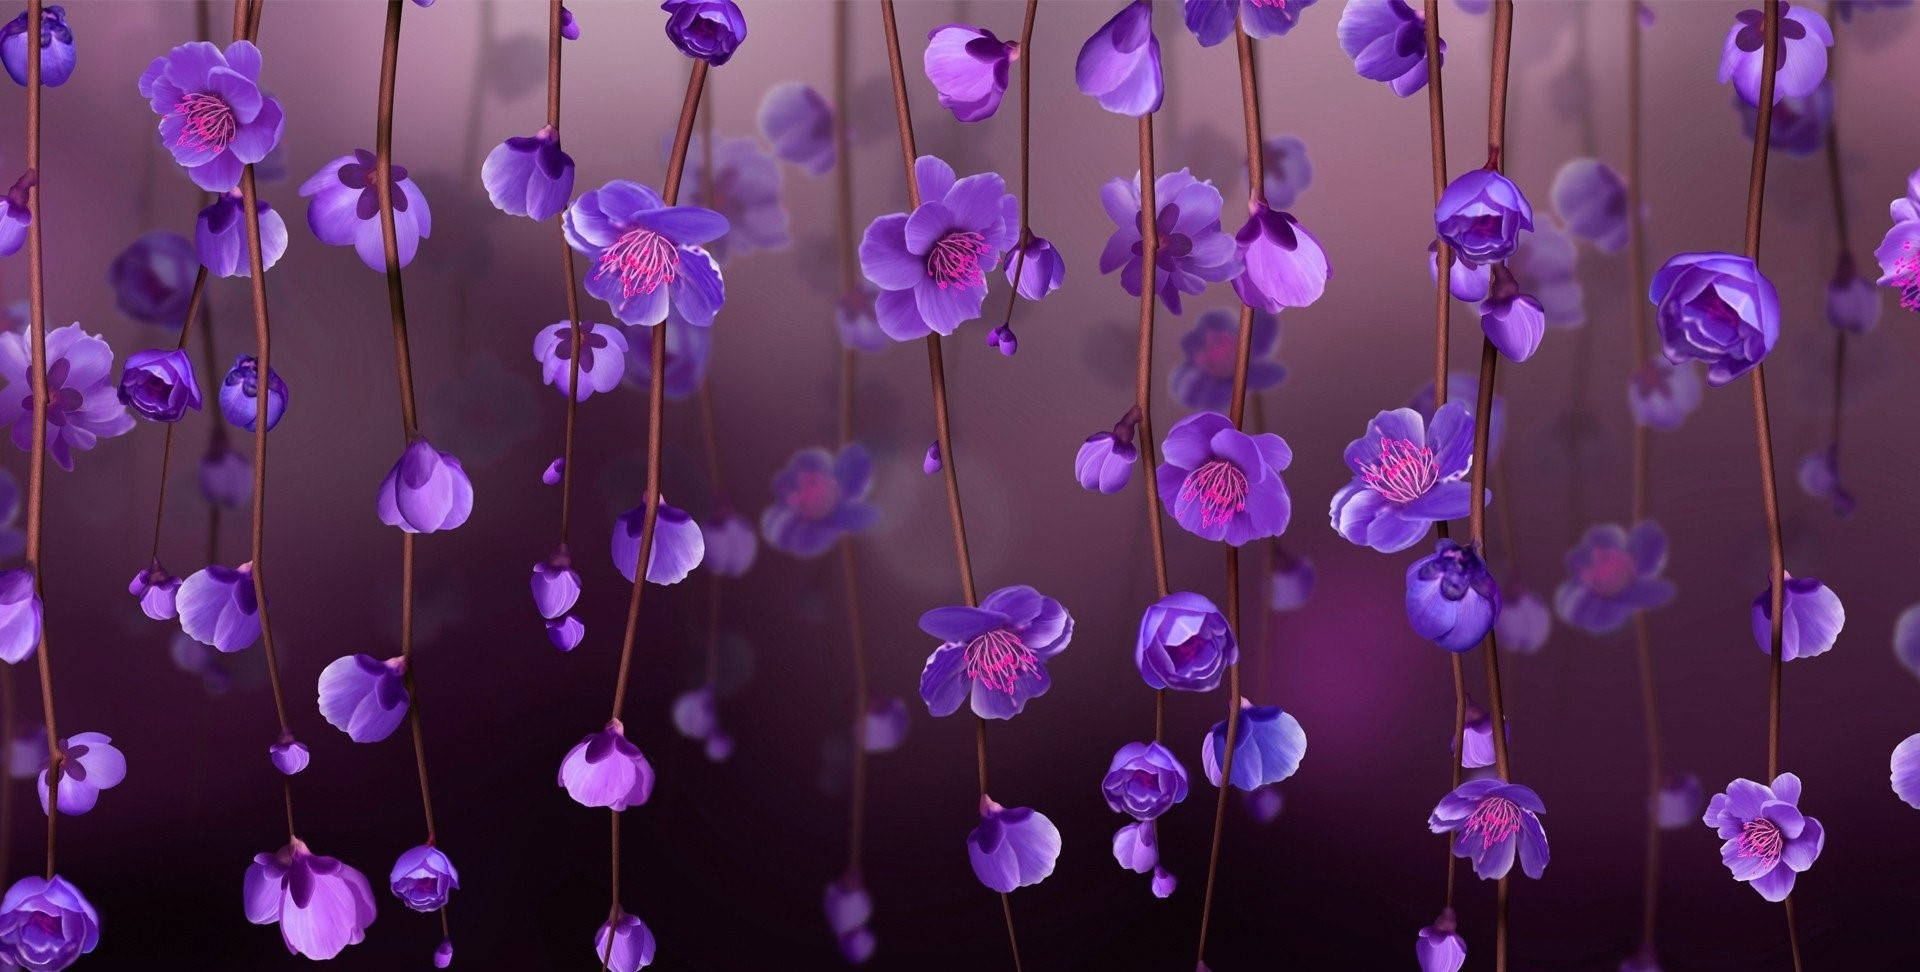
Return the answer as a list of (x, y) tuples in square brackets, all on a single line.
[(166, 446), (1026, 209), (575, 334), (1143, 390)]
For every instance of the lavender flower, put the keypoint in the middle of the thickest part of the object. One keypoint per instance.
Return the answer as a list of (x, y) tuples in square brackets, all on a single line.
[(624, 944), (1136, 846), (321, 904), (1119, 66), (731, 544), (1408, 473), (90, 764), (995, 653), (1802, 63), (156, 590), (1451, 597), (1547, 265), (217, 607), (1899, 256), (82, 406), (443, 952), (930, 463), (423, 878), (1184, 643), (688, 349), (344, 208), (1490, 820), (1819, 477), (847, 905), (1662, 394), (225, 477), (1800, 123), (1284, 266), (46, 924), (15, 216), (605, 770), (20, 615), (1191, 251), (1387, 41), (1144, 780), (565, 633), (645, 253), (289, 755), (1105, 461), (968, 68), (1012, 848), (798, 123), (1286, 172), (529, 175), (1466, 281), (1040, 277), (1292, 581), (1211, 21), (363, 696), (931, 265), (1678, 802), (213, 116), (1768, 841), (1163, 879), (746, 190), (1268, 745), (1513, 321), (1481, 215), (1439, 947), (57, 54), (1592, 200), (426, 491), (1524, 622), (1222, 484), (1853, 305), (1611, 574), (695, 714), (220, 236), (710, 30), (1813, 619), (152, 278), (159, 386), (818, 498), (1476, 736), (603, 357), (678, 546), (1905, 773), (240, 394), (1716, 308)]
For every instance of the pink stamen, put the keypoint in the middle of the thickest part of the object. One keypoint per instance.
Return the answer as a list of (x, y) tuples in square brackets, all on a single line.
[(1495, 820), (1609, 571), (642, 259), (1220, 487), (997, 658), (206, 121), (958, 260), (1218, 353), (1273, 4), (1761, 839), (815, 494), (1906, 275), (1403, 473)]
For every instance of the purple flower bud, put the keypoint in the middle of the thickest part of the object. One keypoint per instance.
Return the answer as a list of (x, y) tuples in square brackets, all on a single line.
[(226, 477), (1451, 597), (344, 208), (931, 463), (1853, 303), (1592, 200), (1513, 321), (1136, 846), (710, 30), (152, 278), (217, 607), (1439, 947), (19, 615), (1163, 882), (857, 946), (565, 633), (1144, 780), (363, 696), (213, 116), (240, 389), (1814, 617), (423, 879), (426, 491), (321, 904), (1267, 747), (1119, 66), (847, 904), (1184, 644), (220, 236), (556, 585), (46, 924), (1481, 215), (1037, 266), (678, 546), (798, 123), (885, 725), (603, 357), (624, 944), (529, 176), (968, 68), (160, 385), (694, 715), (1802, 62), (15, 216), (156, 590), (443, 953), (1104, 463), (605, 770), (731, 545), (90, 763), (1715, 308), (1002, 337), (1284, 264), (1466, 281), (555, 469), (289, 755), (57, 55), (1679, 801), (719, 747), (1012, 848)]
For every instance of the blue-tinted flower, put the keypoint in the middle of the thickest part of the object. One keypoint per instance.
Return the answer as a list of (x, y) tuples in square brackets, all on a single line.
[(1105, 461), (603, 357), (20, 615), (1408, 474), (529, 175), (1136, 846), (1144, 780), (46, 924), (1268, 745), (1184, 643), (1592, 200), (731, 544), (1853, 303), (624, 944), (152, 278), (1037, 266), (220, 236), (646, 254), (1387, 40), (213, 116), (746, 191), (426, 491), (688, 349), (321, 904), (1211, 21), (159, 386), (818, 498), (1191, 250), (1524, 622), (1768, 841), (1662, 394), (1799, 124), (57, 54), (1119, 66), (678, 546), (289, 755), (363, 696), (1802, 61), (995, 654), (240, 393), (1439, 947), (968, 68), (931, 265), (1715, 308), (344, 208), (1481, 215), (1220, 483), (710, 30), (156, 590), (1678, 802), (218, 607), (1491, 819), (90, 763), (798, 123), (1451, 597), (82, 404), (1611, 574), (423, 878), (1012, 847), (605, 770), (1814, 617), (1282, 264)]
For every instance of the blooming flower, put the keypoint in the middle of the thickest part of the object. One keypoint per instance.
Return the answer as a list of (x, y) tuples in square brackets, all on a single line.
[(156, 590), (688, 348), (1451, 597), (731, 544), (931, 265), (1716, 308), (1136, 846), (1490, 819), (1768, 841), (968, 68), (605, 770), (1611, 574), (426, 491), (20, 615), (1184, 643), (1105, 461), (1191, 250), (1592, 200), (996, 653), (217, 607), (82, 405), (645, 253), (1012, 848), (1802, 60), (1220, 483), (1283, 265), (1119, 66), (1662, 394), (798, 123), (1408, 473), (1387, 41), (819, 497), (1813, 619), (322, 904), (159, 385), (1853, 305), (1481, 215), (90, 763), (152, 278), (423, 878), (1268, 745), (1211, 21), (225, 477), (289, 755), (1819, 477), (678, 546), (57, 54), (710, 30), (363, 696), (344, 208), (1899, 256), (213, 116), (1040, 277), (220, 236), (46, 924), (529, 175), (1905, 773), (1144, 780), (240, 393), (1439, 948), (603, 357), (1678, 802), (1524, 622)]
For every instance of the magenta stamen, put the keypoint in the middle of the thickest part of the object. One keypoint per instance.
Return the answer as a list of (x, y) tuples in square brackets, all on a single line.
[(1220, 487), (1609, 572), (206, 121), (1906, 275), (1761, 839), (997, 658), (642, 259), (1403, 473), (1495, 820), (958, 260), (815, 494)]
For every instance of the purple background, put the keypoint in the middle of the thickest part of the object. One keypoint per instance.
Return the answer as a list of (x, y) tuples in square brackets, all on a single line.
[(727, 862)]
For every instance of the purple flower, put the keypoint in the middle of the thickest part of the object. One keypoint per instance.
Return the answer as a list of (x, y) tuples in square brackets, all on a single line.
[(1267, 747), (1906, 770), (930, 463), (1144, 780), (82, 405), (363, 696), (710, 30), (624, 944), (1768, 841), (746, 190), (1184, 643), (1716, 308), (1163, 880), (1466, 281), (1820, 478), (159, 385), (1678, 802), (1813, 616), (1105, 461), (688, 348), (1387, 40), (423, 878), (695, 715), (605, 770), (289, 755), (1451, 597), (1191, 250), (1547, 265), (46, 924), (1899, 256), (443, 952), (213, 116), (1220, 483), (90, 763), (570, 30), (1513, 321), (1611, 574), (1477, 737), (152, 278), (798, 123), (1799, 123), (996, 653), (156, 590), (1211, 21), (1286, 172), (1012, 848), (322, 904), (1040, 277), (1464, 388), (225, 477), (565, 633), (645, 253), (1853, 305), (220, 236), (426, 491), (885, 725), (603, 357), (20, 615), (240, 393), (847, 905), (1284, 265), (1802, 61), (1592, 200), (15, 216), (1408, 473), (1481, 215), (931, 265), (968, 68), (345, 208), (529, 175), (1119, 66), (1292, 581), (1662, 394), (57, 54), (217, 607), (1439, 947), (1490, 819), (1136, 846), (1204, 378), (819, 497), (678, 546), (731, 544), (1524, 622)]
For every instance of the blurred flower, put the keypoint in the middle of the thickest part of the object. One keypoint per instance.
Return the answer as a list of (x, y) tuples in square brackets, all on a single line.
[(731, 544), (529, 175), (321, 904), (694, 713), (1012, 848), (217, 607), (1768, 841), (57, 54), (363, 696), (603, 357), (1853, 303), (220, 236), (1451, 597), (1222, 484), (859, 327), (82, 405), (1408, 473), (678, 546), (931, 265), (240, 393), (1813, 619), (645, 254), (605, 770), (1820, 478), (1611, 574), (426, 491), (1387, 41), (1286, 171), (1184, 643), (1191, 250), (996, 653), (1592, 200), (1716, 308), (1524, 622), (1144, 780), (152, 278), (1292, 580), (423, 878), (885, 725), (1799, 124), (1662, 394), (1490, 819), (1802, 62), (159, 386), (90, 763), (213, 116), (818, 498), (1119, 66), (1268, 745), (344, 208), (798, 123), (968, 68), (1547, 265), (46, 924), (710, 30), (1678, 802), (688, 350), (746, 190)]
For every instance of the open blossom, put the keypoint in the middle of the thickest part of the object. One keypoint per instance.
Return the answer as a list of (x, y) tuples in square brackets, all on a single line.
[(1662, 394), (57, 54), (218, 608), (1012, 847), (321, 904), (213, 116), (220, 236), (1211, 21), (968, 68), (1268, 745), (818, 498), (90, 763), (344, 208), (605, 770), (1144, 780), (20, 615), (678, 545), (240, 393), (931, 265), (1119, 66), (363, 696), (1184, 643), (1387, 41), (529, 175), (426, 491), (603, 357), (1899, 256), (798, 123), (624, 943), (1612, 573), (710, 30), (1451, 597), (1592, 200), (1802, 62), (1282, 264), (1191, 250), (1768, 841), (646, 254), (1220, 483), (1481, 214), (1490, 820), (1408, 473), (745, 190), (423, 878), (995, 654), (1718, 309), (46, 924), (1814, 617), (159, 386), (153, 278), (83, 406)]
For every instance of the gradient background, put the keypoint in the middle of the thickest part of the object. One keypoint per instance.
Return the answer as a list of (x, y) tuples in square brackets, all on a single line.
[(727, 862)]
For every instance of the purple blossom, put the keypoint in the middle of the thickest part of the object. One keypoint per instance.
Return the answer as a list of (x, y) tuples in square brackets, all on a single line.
[(1799, 122), (1105, 461), (443, 952), (1144, 780), (624, 943), (1662, 394), (1813, 619), (1184, 644), (1612, 573), (1547, 265), (645, 253), (1819, 477), (1853, 304), (426, 491), (1283, 265), (82, 404), (217, 607), (858, 325), (156, 590), (1513, 321), (363, 696), (20, 615), (1481, 215), (213, 116), (1268, 745), (1477, 749), (152, 278), (1466, 281), (1119, 66), (1211, 21), (225, 477), (1040, 277), (565, 633), (1524, 622), (1768, 841), (159, 386), (1802, 62), (1136, 846), (1163, 880), (1220, 483), (1387, 40), (90, 764), (798, 123), (240, 393), (1490, 819), (968, 68), (344, 208), (847, 905), (678, 546), (1439, 947), (46, 924), (289, 755), (1286, 172), (1678, 802), (1899, 255), (569, 30), (996, 654), (1408, 473), (1451, 597), (529, 175), (322, 904), (931, 265), (603, 357), (688, 349), (731, 544), (220, 236), (423, 878), (57, 54), (1905, 773), (1592, 200), (695, 714), (605, 770), (746, 190), (1012, 847), (1292, 580), (930, 463), (818, 498), (1716, 308), (1191, 250), (15, 216), (710, 30)]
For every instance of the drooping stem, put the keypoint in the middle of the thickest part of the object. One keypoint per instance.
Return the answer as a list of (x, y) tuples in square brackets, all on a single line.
[(1143, 388), (1837, 185), (574, 334), (1026, 208), (166, 442)]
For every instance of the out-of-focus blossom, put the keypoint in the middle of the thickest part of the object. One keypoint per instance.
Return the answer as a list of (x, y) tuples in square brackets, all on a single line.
[(83, 406), (159, 386), (363, 696), (218, 608), (1715, 308), (1268, 745), (1191, 250), (1211, 21), (213, 116), (1387, 41), (1592, 200), (745, 190), (1819, 478), (1768, 840), (1184, 644), (968, 68), (884, 727), (1220, 483), (426, 491), (678, 546), (1679, 801), (1802, 62), (859, 326), (605, 770), (152, 278), (1012, 847), (1451, 597), (993, 656), (344, 208), (931, 265), (710, 30), (1408, 473), (1524, 622), (818, 498), (1144, 780), (1491, 819), (90, 763), (321, 904), (1612, 573), (220, 236), (603, 357), (1547, 265), (423, 878), (1800, 122), (1292, 580), (529, 175), (688, 351), (57, 53), (1813, 619), (1265, 803), (1476, 737), (1662, 394), (731, 544), (46, 924), (1481, 215), (225, 477), (1119, 66), (1285, 170), (240, 394), (1204, 377), (1853, 303), (798, 123)]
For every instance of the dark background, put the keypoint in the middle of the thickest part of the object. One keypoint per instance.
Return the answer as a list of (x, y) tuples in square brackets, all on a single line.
[(727, 862)]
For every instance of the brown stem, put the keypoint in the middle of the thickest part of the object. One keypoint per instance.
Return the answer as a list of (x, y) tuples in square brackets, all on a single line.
[(1143, 372), (1026, 101), (1837, 185), (574, 332), (166, 446)]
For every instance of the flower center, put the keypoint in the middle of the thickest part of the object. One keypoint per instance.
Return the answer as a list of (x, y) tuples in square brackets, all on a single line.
[(997, 658), (1495, 820), (1271, 4), (1218, 352), (815, 495), (1609, 571), (1403, 473), (205, 121), (958, 260), (1906, 276), (642, 259), (1761, 839), (1220, 487)]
